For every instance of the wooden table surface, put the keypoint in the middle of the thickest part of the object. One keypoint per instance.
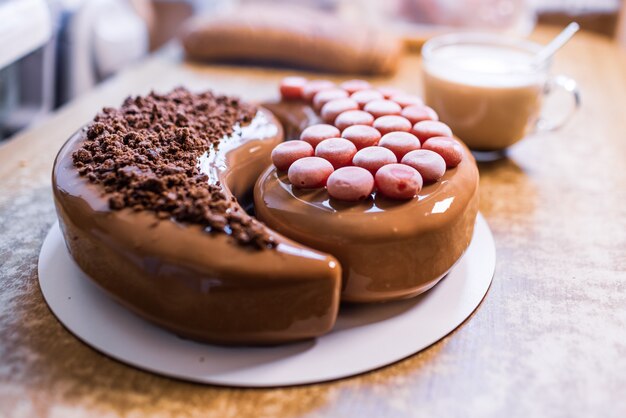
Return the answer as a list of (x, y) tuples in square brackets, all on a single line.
[(548, 340)]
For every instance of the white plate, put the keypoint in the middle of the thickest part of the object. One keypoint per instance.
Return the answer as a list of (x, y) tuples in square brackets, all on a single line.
[(365, 337)]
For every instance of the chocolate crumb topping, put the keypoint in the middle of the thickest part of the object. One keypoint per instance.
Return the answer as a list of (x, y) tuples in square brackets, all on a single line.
[(145, 156)]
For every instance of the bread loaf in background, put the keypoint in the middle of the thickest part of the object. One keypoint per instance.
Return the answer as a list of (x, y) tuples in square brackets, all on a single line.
[(291, 36)]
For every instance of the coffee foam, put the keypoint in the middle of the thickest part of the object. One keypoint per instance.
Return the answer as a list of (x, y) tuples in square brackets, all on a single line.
[(484, 66)]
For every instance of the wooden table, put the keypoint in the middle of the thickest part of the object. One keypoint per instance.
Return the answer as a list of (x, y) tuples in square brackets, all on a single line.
[(549, 339)]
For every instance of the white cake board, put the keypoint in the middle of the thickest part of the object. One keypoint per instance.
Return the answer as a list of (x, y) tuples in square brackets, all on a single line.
[(366, 337)]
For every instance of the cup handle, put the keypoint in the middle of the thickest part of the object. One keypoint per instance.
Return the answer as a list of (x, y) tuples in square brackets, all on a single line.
[(569, 85)]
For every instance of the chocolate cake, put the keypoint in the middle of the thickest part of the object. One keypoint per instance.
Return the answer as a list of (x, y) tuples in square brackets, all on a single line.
[(151, 196)]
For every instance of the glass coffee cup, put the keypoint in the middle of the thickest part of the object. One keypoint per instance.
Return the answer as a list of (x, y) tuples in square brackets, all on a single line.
[(489, 90)]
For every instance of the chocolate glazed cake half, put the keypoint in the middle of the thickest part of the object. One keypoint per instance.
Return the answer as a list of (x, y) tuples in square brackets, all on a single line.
[(149, 198), (387, 249)]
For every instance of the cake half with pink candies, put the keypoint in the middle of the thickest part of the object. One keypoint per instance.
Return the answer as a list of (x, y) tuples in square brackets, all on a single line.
[(371, 176)]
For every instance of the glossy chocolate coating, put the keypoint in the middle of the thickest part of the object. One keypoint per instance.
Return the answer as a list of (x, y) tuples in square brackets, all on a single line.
[(387, 249), (200, 285)]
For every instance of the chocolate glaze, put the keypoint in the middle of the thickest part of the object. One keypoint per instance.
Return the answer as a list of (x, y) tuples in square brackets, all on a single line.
[(387, 249), (200, 285)]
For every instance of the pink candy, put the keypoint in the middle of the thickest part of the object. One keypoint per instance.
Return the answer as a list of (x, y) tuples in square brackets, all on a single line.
[(333, 108), (315, 134), (309, 172), (380, 108), (429, 128), (361, 135), (398, 181), (363, 97), (389, 91), (405, 100), (419, 113), (448, 148), (313, 87), (350, 184), (326, 96), (355, 85), (400, 143), (291, 88), (286, 153), (373, 158), (337, 151), (391, 123), (353, 117), (430, 165)]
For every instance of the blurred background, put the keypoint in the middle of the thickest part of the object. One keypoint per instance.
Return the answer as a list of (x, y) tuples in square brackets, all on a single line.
[(52, 51)]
